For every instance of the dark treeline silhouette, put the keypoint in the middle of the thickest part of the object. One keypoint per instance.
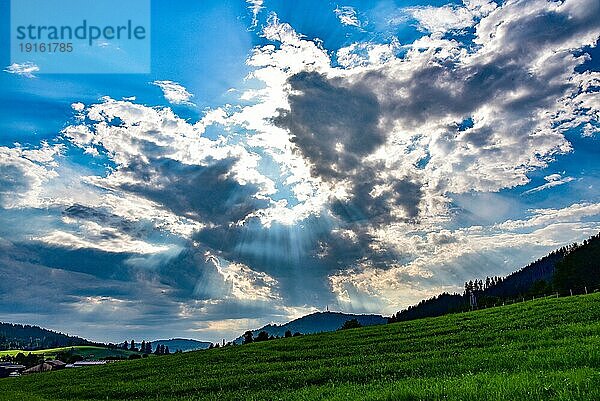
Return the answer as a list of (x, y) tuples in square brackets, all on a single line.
[(570, 269), (28, 360), (162, 350), (26, 337), (351, 324), (436, 306), (580, 267), (248, 337)]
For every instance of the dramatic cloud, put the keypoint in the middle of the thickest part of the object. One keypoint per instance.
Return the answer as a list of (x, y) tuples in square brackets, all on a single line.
[(365, 176)]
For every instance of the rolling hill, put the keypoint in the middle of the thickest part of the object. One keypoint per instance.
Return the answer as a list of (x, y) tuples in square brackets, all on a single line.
[(318, 322), (537, 350)]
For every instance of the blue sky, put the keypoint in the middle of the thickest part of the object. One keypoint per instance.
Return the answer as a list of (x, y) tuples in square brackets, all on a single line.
[(281, 157)]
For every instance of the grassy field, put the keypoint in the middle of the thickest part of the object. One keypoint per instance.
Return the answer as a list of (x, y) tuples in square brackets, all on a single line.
[(85, 351), (547, 349)]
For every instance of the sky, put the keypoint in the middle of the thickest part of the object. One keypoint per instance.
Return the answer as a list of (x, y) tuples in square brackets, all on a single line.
[(284, 157)]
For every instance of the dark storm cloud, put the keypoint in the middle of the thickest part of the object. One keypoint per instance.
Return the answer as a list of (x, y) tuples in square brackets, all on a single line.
[(104, 218), (307, 253), (328, 113), (45, 284), (30, 285), (205, 193), (335, 125), (13, 180)]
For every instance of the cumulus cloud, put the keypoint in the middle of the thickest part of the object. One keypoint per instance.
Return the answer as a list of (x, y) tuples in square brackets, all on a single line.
[(166, 160), (24, 69), (417, 107), (174, 92), (388, 142), (23, 173), (451, 17)]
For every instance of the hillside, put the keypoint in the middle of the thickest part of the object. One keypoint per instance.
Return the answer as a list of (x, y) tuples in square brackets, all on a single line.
[(318, 322), (580, 268), (538, 350), (569, 268), (18, 336)]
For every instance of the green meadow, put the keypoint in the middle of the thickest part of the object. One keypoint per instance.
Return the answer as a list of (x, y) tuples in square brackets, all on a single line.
[(548, 349)]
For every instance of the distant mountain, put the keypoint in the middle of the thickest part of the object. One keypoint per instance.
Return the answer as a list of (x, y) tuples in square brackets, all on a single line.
[(317, 323), (26, 337), (182, 344)]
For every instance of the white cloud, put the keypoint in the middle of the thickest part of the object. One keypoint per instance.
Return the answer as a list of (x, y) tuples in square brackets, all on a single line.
[(174, 92), (24, 173), (244, 283), (78, 106), (255, 6), (94, 236), (366, 54), (553, 180), (442, 19), (455, 120), (347, 15), (451, 17), (24, 69)]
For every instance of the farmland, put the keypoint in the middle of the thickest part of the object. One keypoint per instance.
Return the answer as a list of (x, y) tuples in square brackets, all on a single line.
[(86, 351), (548, 349)]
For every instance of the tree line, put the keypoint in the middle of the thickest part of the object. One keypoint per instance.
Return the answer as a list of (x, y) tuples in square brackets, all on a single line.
[(27, 337), (144, 348)]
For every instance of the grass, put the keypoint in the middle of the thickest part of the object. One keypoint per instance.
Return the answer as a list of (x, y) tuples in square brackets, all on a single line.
[(86, 351), (547, 349)]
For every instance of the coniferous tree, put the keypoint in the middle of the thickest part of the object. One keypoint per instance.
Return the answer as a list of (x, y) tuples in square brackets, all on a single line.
[(262, 336), (248, 338), (351, 324)]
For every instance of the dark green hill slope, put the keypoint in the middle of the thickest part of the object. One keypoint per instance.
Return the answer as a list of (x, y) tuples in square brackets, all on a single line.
[(539, 350), (580, 268)]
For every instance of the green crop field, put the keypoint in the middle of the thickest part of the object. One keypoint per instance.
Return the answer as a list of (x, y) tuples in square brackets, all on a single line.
[(86, 351), (547, 349)]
